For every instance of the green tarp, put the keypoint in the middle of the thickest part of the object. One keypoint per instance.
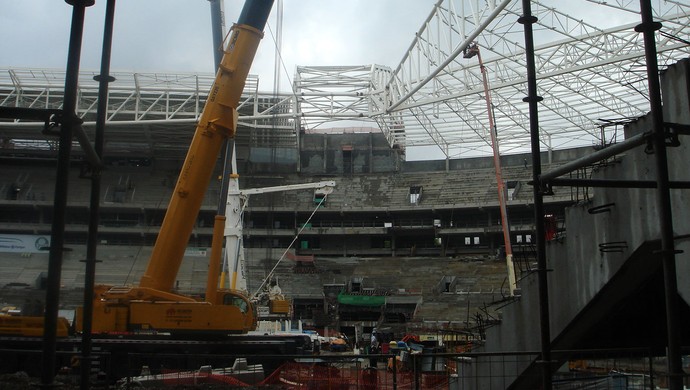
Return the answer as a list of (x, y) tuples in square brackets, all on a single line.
[(361, 300)]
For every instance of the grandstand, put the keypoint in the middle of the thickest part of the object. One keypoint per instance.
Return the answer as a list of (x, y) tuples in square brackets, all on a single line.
[(369, 216)]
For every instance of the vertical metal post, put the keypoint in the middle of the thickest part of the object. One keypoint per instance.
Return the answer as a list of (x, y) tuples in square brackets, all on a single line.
[(650, 361), (416, 369), (57, 235), (668, 252), (527, 19), (395, 373), (94, 203)]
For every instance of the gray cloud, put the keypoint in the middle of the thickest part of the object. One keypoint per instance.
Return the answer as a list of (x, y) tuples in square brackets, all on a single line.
[(175, 35)]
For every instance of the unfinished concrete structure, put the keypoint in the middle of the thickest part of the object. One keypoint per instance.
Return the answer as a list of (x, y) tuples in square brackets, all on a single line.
[(368, 218), (398, 116), (607, 266)]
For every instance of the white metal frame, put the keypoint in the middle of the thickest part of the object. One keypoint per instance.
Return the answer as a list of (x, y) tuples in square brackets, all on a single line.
[(589, 76)]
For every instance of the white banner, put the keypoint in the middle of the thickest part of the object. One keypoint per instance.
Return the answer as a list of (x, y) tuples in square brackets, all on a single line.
[(196, 252), (24, 243)]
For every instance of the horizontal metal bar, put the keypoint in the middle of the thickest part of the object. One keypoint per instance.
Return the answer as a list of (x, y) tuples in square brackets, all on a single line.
[(564, 182), (597, 156), (42, 114), (679, 128)]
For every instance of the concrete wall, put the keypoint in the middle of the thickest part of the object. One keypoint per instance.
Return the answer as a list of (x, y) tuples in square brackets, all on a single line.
[(676, 87), (370, 153), (515, 160), (579, 269), (118, 266), (274, 160), (326, 154)]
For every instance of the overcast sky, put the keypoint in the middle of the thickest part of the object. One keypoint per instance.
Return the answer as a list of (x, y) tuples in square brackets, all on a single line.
[(175, 35)]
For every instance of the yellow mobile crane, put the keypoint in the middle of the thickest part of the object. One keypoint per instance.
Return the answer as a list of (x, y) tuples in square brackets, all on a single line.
[(153, 306)]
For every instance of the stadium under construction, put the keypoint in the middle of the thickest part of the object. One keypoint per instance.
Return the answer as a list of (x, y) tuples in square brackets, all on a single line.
[(318, 252)]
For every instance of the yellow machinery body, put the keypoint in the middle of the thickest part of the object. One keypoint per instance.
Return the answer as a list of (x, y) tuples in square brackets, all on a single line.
[(217, 123), (279, 306), (125, 314), (29, 326)]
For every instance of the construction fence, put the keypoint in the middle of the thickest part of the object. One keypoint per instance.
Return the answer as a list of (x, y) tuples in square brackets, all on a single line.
[(623, 369)]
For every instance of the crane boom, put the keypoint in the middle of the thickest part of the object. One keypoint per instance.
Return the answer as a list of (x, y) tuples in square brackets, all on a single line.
[(216, 124), (237, 200), (471, 51), (153, 306)]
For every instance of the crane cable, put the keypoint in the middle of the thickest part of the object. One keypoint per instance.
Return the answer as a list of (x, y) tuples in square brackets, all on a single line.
[(304, 225), (278, 42)]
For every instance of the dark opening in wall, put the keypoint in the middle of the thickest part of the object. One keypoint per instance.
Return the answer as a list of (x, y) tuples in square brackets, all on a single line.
[(347, 160), (415, 194)]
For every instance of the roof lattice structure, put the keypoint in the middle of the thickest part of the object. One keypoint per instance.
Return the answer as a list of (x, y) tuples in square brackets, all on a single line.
[(590, 74)]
